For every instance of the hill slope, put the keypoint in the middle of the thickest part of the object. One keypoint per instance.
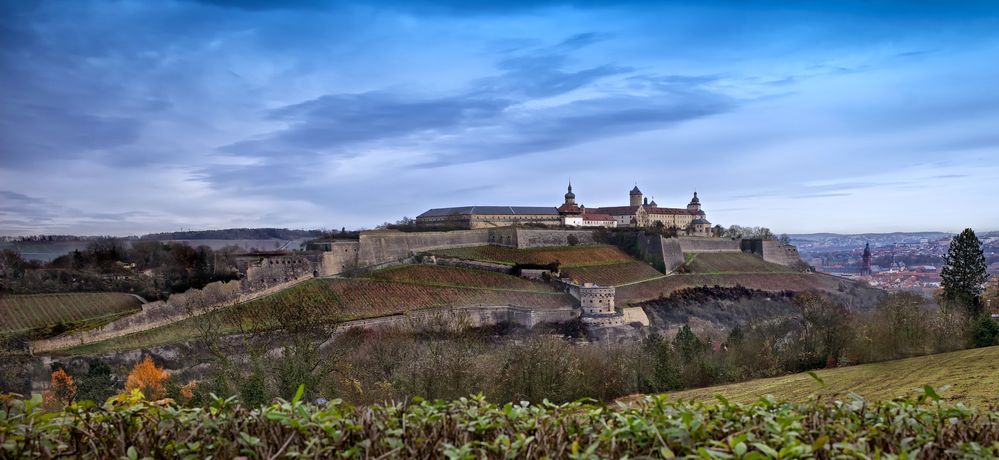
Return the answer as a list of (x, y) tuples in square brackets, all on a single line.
[(973, 376), (30, 311)]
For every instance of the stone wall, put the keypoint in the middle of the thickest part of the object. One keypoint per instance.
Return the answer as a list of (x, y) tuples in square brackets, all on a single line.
[(774, 252), (708, 245), (385, 247), (596, 299), (272, 270), (193, 302), (340, 258), (538, 238)]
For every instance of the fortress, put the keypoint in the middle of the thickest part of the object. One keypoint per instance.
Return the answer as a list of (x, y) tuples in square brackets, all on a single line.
[(640, 213)]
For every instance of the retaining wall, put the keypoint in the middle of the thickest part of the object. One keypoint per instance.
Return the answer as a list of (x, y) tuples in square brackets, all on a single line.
[(708, 245), (539, 238), (774, 252), (470, 316)]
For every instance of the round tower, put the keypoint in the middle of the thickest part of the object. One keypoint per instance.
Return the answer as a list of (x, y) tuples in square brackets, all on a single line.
[(635, 196)]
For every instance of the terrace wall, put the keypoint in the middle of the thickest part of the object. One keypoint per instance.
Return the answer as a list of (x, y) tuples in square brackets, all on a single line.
[(773, 252), (470, 316)]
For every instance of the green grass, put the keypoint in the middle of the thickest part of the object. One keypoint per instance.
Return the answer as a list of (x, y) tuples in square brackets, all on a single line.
[(73, 309), (972, 377)]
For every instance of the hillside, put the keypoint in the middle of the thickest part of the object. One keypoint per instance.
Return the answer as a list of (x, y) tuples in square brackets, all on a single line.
[(387, 292), (855, 293), (973, 377), (71, 309), (712, 263)]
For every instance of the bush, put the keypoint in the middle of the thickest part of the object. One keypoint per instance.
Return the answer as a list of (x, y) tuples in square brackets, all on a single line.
[(986, 332), (653, 426)]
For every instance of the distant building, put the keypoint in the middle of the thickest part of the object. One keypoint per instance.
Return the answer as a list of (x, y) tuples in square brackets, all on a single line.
[(865, 264), (640, 213), (489, 216)]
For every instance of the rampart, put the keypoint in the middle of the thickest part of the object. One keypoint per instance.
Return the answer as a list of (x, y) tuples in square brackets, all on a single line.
[(382, 248), (341, 257), (773, 251), (708, 245), (193, 302)]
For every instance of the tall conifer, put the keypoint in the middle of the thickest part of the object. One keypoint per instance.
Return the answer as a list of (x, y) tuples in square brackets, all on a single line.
[(963, 275)]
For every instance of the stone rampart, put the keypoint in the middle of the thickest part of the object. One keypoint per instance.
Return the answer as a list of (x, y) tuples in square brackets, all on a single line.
[(340, 258), (385, 247), (539, 238), (193, 302), (708, 245), (774, 252)]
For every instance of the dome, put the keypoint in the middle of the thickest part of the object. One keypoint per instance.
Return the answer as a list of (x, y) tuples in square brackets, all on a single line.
[(636, 191), (569, 195), (695, 200)]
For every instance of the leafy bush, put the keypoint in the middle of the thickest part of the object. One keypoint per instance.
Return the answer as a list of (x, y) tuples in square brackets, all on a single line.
[(130, 427)]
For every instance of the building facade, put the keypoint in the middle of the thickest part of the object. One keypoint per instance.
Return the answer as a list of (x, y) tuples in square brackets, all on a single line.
[(640, 213)]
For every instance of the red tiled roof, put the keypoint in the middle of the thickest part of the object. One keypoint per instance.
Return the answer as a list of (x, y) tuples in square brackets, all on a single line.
[(592, 216), (617, 210), (569, 209)]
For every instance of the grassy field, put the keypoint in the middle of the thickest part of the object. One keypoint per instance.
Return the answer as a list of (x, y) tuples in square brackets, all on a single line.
[(763, 281), (612, 274), (731, 262), (436, 275), (569, 256), (24, 312), (337, 299), (973, 377)]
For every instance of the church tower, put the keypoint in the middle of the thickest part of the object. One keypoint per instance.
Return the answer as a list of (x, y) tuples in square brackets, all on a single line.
[(636, 196), (865, 267), (570, 198), (695, 203)]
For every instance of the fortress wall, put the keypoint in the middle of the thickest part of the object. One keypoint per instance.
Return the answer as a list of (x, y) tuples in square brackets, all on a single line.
[(384, 247), (782, 254), (708, 245), (342, 257), (672, 253), (539, 238), (193, 302)]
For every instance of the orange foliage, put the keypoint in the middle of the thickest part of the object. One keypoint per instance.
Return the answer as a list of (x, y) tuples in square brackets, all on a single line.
[(187, 391), (148, 378), (61, 390)]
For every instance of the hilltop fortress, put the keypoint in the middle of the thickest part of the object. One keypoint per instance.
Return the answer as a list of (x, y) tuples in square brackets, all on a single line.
[(639, 213)]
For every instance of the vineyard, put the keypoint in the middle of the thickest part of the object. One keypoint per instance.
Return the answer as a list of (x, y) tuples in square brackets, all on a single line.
[(762, 281), (437, 275), (470, 428), (612, 275), (23, 312), (331, 299), (731, 262), (568, 256)]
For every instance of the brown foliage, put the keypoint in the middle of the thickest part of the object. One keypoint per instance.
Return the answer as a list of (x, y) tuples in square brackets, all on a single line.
[(148, 378), (61, 391)]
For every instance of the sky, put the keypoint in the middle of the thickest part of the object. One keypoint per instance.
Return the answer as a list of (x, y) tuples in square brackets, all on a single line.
[(134, 116)]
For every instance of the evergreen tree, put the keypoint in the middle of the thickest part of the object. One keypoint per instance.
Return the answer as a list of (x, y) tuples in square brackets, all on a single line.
[(963, 273)]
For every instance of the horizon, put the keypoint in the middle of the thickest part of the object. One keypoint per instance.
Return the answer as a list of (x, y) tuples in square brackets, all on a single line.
[(128, 118)]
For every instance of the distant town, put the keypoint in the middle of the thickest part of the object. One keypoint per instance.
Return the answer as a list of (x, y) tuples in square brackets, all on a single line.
[(899, 261)]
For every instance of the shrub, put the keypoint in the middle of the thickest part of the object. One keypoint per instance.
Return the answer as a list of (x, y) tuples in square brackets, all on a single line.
[(148, 378)]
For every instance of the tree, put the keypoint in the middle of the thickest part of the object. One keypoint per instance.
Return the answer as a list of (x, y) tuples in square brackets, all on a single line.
[(61, 390), (148, 378), (98, 384), (785, 239), (963, 274)]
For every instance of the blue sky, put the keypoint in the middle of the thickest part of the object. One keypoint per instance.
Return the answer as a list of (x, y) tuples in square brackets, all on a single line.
[(127, 116)]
